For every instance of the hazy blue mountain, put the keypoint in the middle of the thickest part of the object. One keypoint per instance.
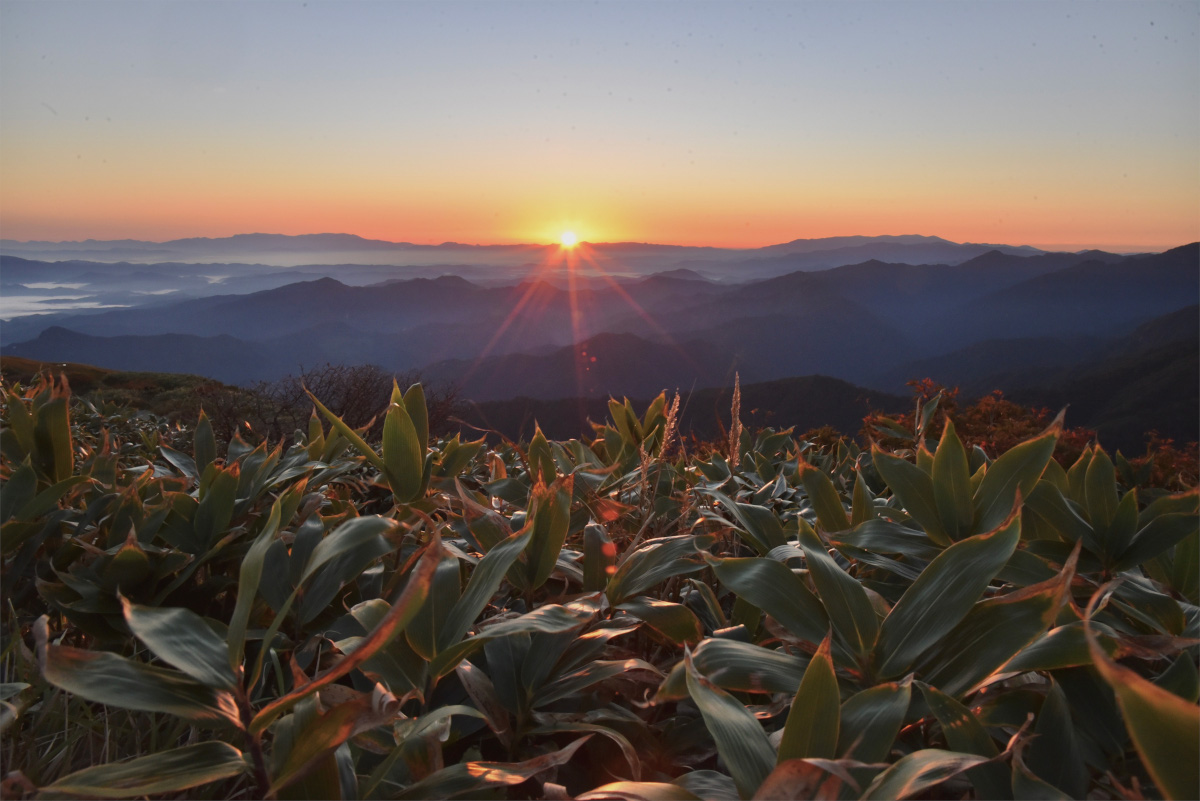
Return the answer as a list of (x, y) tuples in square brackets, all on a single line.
[(1096, 297), (620, 364), (222, 357), (1123, 397), (619, 257), (994, 317), (932, 251), (992, 364)]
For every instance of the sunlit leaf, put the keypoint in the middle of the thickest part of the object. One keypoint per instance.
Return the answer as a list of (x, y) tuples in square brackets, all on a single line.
[(183, 640), (168, 771), (916, 772)]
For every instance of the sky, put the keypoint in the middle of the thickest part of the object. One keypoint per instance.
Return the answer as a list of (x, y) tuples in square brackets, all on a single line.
[(736, 124)]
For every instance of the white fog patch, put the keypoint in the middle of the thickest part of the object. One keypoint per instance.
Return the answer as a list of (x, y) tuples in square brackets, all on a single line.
[(44, 304), (53, 285)]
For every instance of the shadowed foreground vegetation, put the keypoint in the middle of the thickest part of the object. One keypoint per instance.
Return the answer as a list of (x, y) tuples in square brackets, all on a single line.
[(765, 615)]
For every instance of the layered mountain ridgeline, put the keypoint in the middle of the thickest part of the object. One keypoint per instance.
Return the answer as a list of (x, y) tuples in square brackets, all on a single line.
[(873, 323), (637, 257)]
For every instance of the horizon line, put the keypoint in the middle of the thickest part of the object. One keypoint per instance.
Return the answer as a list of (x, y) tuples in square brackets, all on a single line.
[(1072, 247)]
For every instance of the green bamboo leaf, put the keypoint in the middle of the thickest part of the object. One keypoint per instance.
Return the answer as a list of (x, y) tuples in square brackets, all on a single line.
[(775, 589), (397, 618), (1076, 474), (845, 600), (738, 667), (216, 508), (129, 567), (599, 558), (871, 719), (52, 435), (1029, 787), (349, 536), (1121, 529), (323, 733), (952, 484), (204, 443), (1100, 490), (418, 412), (916, 772), (914, 488), (884, 536), (113, 680), (1165, 729), (862, 504), (823, 497), (482, 691), (183, 640), (20, 423), (484, 582), (403, 459), (1013, 476), (814, 719), (424, 631), (1049, 503), (1054, 754), (165, 772), (993, 632), (547, 619), (551, 520), (541, 462), (618, 739), (965, 734), (18, 490), (345, 563), (739, 737), (758, 523), (474, 777), (674, 621), (657, 561), (1059, 648), (47, 499), (943, 595), (1161, 533), (316, 437), (249, 577), (350, 435), (1181, 678), (592, 673)]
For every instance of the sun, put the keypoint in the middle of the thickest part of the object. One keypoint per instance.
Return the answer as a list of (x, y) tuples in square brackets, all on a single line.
[(568, 239)]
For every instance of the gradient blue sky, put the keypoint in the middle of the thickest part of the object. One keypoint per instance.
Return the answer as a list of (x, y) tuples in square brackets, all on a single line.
[(1066, 124)]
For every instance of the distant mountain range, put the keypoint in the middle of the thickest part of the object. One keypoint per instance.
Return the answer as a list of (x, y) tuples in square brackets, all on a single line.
[(621, 257), (1049, 325)]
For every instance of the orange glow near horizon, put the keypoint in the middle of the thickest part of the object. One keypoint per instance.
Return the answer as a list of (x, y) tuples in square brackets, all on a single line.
[(39, 208), (769, 122)]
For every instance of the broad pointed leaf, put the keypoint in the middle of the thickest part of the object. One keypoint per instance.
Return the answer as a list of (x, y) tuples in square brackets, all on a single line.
[(165, 772), (740, 738), (183, 640), (943, 595), (813, 721)]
